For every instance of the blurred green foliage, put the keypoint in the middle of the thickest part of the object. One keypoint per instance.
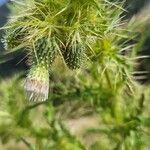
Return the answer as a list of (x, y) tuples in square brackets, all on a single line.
[(45, 125)]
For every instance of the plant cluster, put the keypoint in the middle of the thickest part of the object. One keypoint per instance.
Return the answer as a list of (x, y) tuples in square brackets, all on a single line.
[(76, 31)]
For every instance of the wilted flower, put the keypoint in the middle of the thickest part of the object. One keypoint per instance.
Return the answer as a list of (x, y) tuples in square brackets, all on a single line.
[(37, 83)]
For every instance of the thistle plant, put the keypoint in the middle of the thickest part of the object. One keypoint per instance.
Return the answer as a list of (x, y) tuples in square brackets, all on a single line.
[(76, 31), (96, 97), (41, 58)]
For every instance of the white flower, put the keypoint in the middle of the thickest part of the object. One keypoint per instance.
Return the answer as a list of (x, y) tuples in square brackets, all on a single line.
[(37, 84)]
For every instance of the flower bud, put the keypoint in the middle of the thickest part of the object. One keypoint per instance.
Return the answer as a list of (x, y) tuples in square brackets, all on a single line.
[(13, 38), (73, 56), (46, 52)]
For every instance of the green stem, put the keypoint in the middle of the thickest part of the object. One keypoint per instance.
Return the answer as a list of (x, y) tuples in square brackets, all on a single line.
[(108, 79), (34, 105), (27, 109), (37, 144), (27, 143)]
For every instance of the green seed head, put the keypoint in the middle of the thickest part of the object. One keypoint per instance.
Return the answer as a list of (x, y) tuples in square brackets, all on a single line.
[(73, 56), (45, 52), (13, 38)]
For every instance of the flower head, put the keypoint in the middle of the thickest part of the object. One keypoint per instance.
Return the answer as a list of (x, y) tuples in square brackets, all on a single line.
[(37, 83)]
